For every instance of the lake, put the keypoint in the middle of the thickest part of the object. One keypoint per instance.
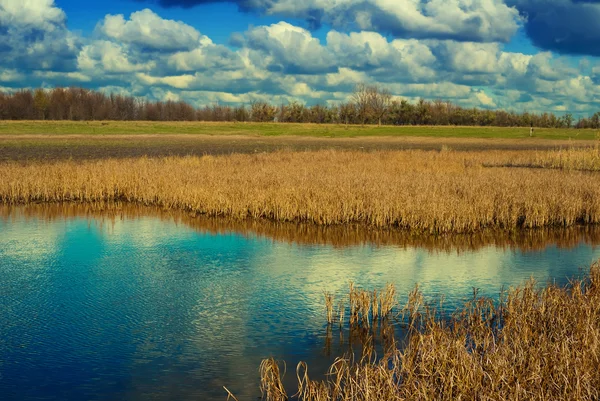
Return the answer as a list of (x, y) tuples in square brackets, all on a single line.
[(140, 304)]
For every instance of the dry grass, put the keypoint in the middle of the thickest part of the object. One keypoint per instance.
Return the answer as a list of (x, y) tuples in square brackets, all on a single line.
[(570, 158), (271, 383), (431, 192), (534, 344)]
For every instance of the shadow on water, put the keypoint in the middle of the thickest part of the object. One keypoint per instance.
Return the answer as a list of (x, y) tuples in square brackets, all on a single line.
[(117, 301)]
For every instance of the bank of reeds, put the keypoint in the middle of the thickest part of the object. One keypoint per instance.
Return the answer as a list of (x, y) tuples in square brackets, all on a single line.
[(534, 344), (425, 192)]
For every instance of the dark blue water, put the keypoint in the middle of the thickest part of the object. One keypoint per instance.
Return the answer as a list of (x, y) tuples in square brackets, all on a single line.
[(147, 309)]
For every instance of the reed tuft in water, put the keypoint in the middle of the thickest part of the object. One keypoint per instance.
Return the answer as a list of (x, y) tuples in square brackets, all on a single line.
[(535, 343), (271, 383)]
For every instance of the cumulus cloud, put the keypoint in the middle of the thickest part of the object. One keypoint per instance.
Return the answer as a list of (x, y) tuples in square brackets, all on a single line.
[(149, 31), (473, 20), (33, 35), (410, 59), (108, 57), (207, 56), (290, 49), (41, 14), (10, 75), (485, 100), (565, 26)]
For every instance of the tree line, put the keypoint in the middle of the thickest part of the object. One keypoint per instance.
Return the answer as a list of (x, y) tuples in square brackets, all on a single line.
[(369, 104)]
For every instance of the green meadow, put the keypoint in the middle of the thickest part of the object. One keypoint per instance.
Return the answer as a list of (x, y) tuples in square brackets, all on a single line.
[(283, 129)]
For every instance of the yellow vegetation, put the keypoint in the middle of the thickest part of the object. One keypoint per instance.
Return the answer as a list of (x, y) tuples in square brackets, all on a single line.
[(435, 192), (535, 344)]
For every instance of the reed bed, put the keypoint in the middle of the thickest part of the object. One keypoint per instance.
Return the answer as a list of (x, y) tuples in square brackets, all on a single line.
[(569, 158), (420, 191), (535, 343)]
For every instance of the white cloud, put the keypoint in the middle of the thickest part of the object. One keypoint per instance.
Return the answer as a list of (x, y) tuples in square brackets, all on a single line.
[(485, 100), (34, 14), (10, 75), (290, 49), (149, 31), (177, 81), (476, 20), (206, 56), (33, 35), (108, 57), (76, 77)]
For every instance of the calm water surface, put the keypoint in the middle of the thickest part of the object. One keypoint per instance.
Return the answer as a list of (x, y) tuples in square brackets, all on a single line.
[(143, 308)]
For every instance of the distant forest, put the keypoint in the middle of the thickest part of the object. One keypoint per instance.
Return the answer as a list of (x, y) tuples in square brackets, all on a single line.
[(368, 105)]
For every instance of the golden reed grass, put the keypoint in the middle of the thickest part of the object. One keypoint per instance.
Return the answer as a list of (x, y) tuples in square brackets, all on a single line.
[(367, 306), (586, 159), (534, 344), (431, 192)]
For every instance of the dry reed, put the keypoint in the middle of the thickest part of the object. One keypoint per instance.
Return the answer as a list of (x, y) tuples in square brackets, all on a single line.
[(271, 383), (432, 192), (534, 344), (329, 306), (387, 300), (366, 307), (569, 158)]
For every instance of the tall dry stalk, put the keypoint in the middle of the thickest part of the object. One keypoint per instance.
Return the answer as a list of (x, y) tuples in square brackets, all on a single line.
[(387, 300), (329, 306), (413, 309), (353, 300), (375, 306), (364, 306)]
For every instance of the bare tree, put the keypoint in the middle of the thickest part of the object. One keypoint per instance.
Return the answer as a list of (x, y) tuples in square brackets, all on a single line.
[(361, 99), (380, 101), (371, 102)]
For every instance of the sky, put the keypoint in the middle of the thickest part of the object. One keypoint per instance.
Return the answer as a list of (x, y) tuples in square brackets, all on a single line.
[(521, 55)]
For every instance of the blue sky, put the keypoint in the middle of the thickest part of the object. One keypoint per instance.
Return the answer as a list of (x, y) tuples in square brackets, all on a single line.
[(534, 55)]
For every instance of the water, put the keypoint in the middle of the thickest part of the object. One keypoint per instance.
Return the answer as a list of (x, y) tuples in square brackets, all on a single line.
[(140, 306)]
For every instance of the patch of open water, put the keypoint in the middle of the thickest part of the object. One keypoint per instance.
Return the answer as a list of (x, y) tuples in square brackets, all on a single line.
[(134, 304)]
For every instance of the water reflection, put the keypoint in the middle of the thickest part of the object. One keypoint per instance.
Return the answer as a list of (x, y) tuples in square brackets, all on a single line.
[(309, 234), (136, 303)]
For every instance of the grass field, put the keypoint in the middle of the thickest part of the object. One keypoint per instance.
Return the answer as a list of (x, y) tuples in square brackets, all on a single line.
[(275, 129), (421, 191), (20, 141)]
